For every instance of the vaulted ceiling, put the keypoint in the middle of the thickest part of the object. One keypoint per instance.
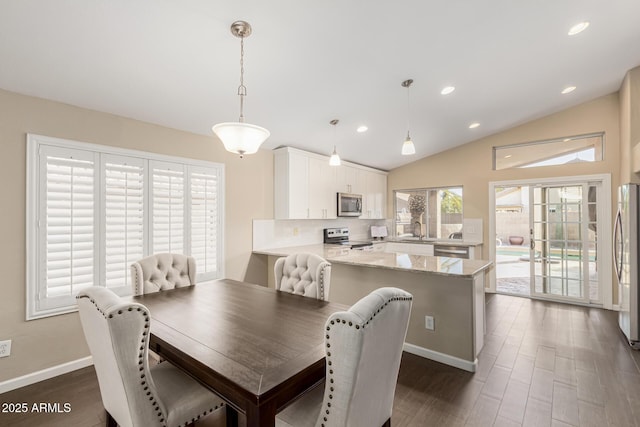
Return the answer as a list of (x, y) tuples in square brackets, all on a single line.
[(175, 63)]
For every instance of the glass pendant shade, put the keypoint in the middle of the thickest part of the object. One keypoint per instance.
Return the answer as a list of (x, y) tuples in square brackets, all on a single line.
[(408, 148), (241, 138), (335, 159)]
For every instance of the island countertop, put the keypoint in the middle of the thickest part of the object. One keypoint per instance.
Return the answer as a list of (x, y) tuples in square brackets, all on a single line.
[(388, 260)]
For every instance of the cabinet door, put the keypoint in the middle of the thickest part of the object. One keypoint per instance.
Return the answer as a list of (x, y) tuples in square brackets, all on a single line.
[(375, 196), (322, 196), (298, 186), (349, 180)]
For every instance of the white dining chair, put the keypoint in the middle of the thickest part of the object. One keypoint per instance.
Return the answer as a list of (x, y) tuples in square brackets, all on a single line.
[(303, 274), (363, 349), (133, 393), (162, 271)]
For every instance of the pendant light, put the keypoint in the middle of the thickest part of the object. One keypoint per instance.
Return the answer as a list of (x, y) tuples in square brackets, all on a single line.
[(240, 137), (335, 159), (407, 147)]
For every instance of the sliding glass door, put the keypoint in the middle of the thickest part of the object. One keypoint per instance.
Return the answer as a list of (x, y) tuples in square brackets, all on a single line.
[(546, 239), (563, 242)]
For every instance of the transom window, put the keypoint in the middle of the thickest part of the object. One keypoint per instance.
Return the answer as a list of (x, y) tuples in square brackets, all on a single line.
[(549, 152), (93, 210)]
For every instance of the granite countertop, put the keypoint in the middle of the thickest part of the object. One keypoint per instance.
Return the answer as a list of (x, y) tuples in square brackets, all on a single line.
[(389, 260), (447, 242)]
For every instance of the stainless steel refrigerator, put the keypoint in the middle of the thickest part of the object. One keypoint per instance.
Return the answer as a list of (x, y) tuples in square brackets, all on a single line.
[(625, 259)]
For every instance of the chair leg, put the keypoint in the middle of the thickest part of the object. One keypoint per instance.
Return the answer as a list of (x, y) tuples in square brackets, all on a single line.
[(110, 421), (232, 416), (387, 423)]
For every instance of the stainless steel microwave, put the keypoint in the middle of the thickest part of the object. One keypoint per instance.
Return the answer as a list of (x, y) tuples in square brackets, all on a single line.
[(349, 204)]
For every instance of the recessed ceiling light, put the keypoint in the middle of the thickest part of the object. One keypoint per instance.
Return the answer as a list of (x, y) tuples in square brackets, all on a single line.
[(362, 128), (578, 28), (474, 125), (566, 140), (447, 90), (568, 89), (508, 156)]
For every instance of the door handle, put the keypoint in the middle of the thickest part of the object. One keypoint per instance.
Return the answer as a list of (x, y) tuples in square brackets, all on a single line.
[(617, 228), (532, 243)]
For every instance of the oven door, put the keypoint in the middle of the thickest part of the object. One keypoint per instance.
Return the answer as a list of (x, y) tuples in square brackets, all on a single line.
[(349, 204)]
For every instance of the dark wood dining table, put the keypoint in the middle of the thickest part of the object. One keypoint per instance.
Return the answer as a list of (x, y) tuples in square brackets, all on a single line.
[(256, 347)]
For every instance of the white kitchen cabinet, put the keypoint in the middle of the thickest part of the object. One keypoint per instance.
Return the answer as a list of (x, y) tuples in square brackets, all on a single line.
[(291, 185), (305, 186), (322, 193), (350, 179), (375, 196)]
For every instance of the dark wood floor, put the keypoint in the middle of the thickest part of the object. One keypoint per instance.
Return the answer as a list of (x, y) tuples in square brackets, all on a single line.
[(543, 364)]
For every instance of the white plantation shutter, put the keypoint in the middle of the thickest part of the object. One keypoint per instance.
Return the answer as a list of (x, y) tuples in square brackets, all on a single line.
[(124, 218), (93, 210), (168, 206), (205, 216), (67, 224)]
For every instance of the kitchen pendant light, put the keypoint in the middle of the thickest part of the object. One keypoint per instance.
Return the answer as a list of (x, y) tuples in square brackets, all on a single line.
[(335, 159), (240, 137), (407, 147)]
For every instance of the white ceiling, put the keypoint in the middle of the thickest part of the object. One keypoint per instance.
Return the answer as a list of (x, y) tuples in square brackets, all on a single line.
[(175, 63)]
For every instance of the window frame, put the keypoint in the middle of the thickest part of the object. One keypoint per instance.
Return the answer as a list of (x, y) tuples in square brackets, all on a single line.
[(35, 226), (425, 190)]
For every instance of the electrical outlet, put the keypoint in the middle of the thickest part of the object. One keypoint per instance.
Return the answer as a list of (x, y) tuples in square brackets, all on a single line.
[(429, 323), (5, 348), (296, 231)]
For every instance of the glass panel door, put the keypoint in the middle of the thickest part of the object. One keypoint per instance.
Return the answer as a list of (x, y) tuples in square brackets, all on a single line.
[(562, 250)]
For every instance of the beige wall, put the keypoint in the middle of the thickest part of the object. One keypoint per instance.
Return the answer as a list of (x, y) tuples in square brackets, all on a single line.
[(471, 165), (43, 343)]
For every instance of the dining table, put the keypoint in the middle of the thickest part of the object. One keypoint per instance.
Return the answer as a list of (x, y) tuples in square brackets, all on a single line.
[(256, 347)]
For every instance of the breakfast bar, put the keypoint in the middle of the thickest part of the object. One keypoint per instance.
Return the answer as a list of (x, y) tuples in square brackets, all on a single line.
[(447, 320)]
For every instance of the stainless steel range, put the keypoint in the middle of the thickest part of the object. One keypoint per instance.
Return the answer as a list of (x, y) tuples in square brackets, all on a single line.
[(340, 236)]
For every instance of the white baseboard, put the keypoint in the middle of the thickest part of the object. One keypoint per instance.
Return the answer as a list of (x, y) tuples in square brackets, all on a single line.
[(44, 374), (456, 362)]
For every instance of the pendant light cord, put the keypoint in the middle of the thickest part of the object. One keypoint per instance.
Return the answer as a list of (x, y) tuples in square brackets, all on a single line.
[(242, 90), (408, 112)]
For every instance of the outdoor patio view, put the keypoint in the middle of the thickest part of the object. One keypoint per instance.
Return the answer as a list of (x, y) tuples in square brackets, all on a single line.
[(547, 233)]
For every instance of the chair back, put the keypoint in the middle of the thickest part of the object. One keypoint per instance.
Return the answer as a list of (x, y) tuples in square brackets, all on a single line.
[(117, 333), (162, 271), (363, 352), (303, 274)]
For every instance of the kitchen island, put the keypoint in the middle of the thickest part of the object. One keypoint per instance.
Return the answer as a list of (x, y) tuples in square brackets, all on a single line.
[(450, 290)]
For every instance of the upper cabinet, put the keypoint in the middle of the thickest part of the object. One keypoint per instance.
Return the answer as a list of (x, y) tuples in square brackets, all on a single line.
[(306, 186)]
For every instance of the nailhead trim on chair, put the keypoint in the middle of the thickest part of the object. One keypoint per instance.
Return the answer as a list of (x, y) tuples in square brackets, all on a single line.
[(143, 382), (329, 362), (136, 281)]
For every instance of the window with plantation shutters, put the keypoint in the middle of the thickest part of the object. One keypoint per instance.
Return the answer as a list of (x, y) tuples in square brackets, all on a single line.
[(124, 206), (205, 216), (168, 206), (66, 225), (93, 210)]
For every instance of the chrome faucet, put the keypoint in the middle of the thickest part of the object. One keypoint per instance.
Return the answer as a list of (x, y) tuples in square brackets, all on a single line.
[(419, 233)]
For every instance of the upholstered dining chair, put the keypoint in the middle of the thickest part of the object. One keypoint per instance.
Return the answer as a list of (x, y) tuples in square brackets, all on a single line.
[(134, 394), (303, 274), (363, 352), (162, 271)]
